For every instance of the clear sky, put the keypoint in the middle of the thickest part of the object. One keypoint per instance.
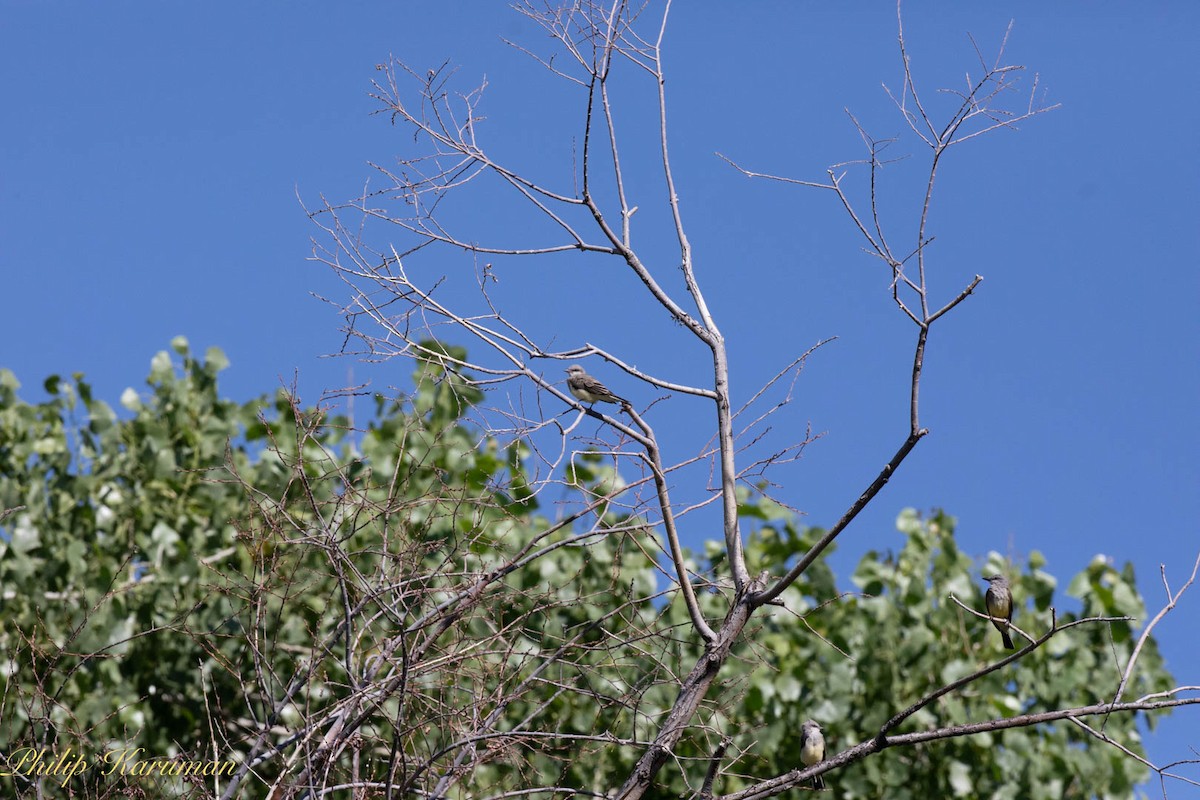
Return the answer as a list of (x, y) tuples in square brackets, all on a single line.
[(155, 156)]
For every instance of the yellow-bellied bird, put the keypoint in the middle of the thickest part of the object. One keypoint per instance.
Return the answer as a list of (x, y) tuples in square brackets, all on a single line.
[(812, 749), (587, 388), (1000, 606)]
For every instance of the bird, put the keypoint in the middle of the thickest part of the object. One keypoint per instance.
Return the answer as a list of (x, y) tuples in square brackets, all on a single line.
[(812, 749), (1000, 606), (588, 389)]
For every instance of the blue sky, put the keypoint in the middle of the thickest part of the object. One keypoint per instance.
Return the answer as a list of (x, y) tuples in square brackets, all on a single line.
[(154, 155)]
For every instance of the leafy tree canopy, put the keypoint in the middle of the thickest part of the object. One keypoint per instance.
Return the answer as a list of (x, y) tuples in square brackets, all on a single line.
[(189, 575)]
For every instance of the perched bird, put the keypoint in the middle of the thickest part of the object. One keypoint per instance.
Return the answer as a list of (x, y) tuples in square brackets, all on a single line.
[(1000, 606), (587, 388), (812, 749)]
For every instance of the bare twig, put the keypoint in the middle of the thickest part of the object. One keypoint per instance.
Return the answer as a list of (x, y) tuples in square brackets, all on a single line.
[(1172, 601)]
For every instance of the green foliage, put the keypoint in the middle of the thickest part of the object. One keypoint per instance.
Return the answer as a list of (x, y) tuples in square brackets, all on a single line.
[(113, 553), (173, 577), (177, 577), (853, 661)]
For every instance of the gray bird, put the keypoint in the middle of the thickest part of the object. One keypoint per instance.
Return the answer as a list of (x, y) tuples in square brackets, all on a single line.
[(999, 602), (812, 749), (587, 388)]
